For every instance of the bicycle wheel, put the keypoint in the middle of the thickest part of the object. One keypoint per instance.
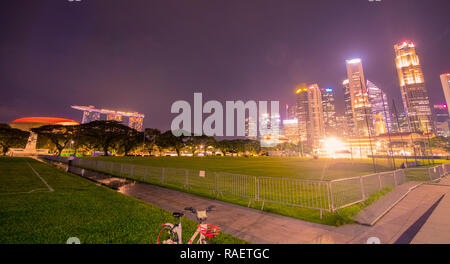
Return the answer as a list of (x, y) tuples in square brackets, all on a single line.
[(203, 241), (167, 236)]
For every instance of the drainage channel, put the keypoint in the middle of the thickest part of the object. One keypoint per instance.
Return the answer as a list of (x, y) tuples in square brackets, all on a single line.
[(115, 183)]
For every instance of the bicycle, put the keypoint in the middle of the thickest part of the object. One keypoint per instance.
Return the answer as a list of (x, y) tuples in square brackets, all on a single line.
[(172, 234)]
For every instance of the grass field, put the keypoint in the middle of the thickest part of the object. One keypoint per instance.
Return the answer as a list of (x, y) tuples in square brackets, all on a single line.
[(76, 208), (282, 167)]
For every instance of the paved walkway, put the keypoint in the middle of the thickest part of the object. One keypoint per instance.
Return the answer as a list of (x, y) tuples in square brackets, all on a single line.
[(395, 226), (372, 213), (436, 229)]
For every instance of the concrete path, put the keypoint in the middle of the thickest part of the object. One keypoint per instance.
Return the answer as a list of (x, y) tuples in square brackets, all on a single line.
[(395, 226), (436, 230), (372, 213)]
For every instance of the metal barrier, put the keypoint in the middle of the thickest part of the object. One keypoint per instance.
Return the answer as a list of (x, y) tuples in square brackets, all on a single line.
[(437, 172), (322, 195), (349, 191)]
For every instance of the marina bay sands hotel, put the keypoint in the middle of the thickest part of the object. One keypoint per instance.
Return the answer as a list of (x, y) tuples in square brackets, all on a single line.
[(130, 119)]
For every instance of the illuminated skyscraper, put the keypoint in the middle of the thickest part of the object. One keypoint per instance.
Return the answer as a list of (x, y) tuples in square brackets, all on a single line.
[(441, 120), (269, 130), (380, 109), (412, 87), (310, 115), (290, 127), (445, 80), (291, 112), (342, 127), (329, 111), (348, 115), (362, 111), (251, 128)]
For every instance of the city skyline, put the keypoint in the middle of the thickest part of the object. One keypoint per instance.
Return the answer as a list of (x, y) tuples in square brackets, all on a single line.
[(134, 66)]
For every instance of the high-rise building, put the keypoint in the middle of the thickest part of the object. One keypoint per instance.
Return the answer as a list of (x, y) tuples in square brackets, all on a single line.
[(445, 80), (380, 124), (269, 129), (380, 109), (291, 112), (251, 128), (342, 127), (403, 124), (348, 114), (362, 112), (441, 120), (412, 86), (310, 115), (291, 132), (329, 111)]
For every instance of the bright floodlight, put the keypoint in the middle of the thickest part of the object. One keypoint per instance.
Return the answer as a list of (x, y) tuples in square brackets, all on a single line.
[(332, 145), (353, 61)]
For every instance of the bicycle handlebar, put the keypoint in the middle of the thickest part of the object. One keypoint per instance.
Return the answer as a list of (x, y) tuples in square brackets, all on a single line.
[(190, 209), (193, 210)]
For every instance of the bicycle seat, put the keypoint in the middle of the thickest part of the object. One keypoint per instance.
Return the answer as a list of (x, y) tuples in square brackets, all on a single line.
[(177, 214)]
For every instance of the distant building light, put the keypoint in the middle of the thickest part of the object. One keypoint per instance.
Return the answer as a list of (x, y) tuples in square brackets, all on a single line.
[(290, 121), (329, 90), (440, 106), (345, 82), (406, 43), (353, 61)]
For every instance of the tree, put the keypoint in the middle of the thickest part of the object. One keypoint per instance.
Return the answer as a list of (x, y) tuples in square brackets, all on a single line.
[(191, 144), (59, 135), (12, 137), (105, 134), (206, 142), (253, 146), (130, 140), (440, 143), (150, 135), (168, 140), (222, 145), (194, 143)]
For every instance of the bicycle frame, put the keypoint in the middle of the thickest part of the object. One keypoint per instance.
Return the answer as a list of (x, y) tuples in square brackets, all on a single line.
[(178, 230), (197, 232)]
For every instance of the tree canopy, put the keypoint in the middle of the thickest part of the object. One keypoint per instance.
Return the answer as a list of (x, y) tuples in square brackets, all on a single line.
[(105, 134), (12, 138), (59, 135)]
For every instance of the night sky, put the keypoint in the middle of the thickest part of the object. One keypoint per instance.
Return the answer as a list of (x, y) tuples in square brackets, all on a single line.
[(144, 55)]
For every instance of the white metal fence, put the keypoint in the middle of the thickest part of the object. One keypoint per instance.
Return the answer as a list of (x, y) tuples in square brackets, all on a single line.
[(437, 172), (321, 195)]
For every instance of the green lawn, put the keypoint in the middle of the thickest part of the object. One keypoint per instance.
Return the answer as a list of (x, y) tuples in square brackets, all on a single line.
[(76, 208), (282, 167)]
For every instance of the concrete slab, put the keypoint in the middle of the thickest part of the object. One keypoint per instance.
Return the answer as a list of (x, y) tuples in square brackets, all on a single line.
[(436, 229), (371, 214)]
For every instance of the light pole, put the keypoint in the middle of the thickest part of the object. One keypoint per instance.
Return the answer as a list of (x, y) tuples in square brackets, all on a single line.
[(389, 131)]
